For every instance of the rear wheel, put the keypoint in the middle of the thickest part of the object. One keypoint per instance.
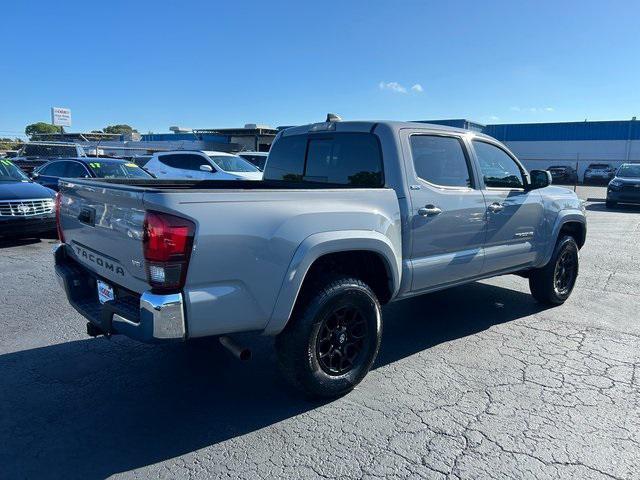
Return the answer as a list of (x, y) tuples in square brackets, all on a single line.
[(332, 339), (553, 283)]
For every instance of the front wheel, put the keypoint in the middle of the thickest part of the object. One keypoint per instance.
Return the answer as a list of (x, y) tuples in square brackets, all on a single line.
[(332, 339), (553, 283), (610, 204)]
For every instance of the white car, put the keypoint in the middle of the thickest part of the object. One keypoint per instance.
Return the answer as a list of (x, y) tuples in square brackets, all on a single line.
[(201, 165)]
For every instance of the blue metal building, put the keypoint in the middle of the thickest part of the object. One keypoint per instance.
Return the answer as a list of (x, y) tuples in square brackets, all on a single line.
[(565, 131)]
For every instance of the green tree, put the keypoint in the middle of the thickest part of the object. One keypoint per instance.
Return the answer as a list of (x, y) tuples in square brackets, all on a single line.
[(40, 127), (119, 129)]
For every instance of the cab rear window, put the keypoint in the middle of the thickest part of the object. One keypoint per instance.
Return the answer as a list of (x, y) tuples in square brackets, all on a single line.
[(340, 159)]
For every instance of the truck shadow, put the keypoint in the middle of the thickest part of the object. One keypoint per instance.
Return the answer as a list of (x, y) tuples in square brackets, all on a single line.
[(93, 408), (621, 207)]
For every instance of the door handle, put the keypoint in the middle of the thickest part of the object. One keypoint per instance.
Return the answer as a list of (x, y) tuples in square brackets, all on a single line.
[(496, 207), (429, 211)]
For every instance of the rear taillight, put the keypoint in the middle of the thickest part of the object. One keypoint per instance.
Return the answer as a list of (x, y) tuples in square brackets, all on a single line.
[(167, 248), (58, 219)]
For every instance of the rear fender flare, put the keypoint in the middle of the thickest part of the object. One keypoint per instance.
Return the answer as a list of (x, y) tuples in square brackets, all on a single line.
[(319, 244)]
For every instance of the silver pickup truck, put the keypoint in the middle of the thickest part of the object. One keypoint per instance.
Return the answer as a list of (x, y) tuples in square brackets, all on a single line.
[(349, 216)]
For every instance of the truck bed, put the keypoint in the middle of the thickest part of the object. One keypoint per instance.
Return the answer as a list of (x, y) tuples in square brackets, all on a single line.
[(246, 236)]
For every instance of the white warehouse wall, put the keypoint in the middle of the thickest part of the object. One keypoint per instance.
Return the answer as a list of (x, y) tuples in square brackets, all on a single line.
[(543, 154)]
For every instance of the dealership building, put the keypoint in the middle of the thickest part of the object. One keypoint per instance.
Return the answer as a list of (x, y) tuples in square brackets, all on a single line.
[(575, 144)]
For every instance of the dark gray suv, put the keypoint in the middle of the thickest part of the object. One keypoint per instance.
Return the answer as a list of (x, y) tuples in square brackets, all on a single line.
[(625, 186)]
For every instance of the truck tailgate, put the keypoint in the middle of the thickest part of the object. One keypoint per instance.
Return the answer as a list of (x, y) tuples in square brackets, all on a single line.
[(103, 229)]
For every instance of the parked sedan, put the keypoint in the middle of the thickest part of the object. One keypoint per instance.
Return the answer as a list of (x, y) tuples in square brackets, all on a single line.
[(625, 186), (26, 208), (563, 175), (201, 165), (599, 173), (49, 174)]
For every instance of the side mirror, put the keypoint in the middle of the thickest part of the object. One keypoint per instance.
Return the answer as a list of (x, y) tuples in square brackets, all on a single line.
[(539, 179), (206, 168)]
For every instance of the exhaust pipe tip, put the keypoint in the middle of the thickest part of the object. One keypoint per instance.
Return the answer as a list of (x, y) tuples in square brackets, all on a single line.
[(238, 351)]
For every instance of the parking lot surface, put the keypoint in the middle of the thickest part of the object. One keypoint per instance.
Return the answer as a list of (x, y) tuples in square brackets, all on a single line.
[(475, 382)]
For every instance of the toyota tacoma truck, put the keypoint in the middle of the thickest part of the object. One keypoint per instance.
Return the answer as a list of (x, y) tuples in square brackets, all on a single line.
[(350, 216)]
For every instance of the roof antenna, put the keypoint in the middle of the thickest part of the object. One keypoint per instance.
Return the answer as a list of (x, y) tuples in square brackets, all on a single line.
[(332, 117)]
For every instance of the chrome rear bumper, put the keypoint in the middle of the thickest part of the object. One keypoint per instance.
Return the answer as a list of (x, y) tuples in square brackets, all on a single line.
[(149, 317)]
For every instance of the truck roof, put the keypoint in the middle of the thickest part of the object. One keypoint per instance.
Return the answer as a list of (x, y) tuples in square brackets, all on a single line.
[(368, 125)]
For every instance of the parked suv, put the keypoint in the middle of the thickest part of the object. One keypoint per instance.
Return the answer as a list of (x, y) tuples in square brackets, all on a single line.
[(35, 154), (563, 175), (349, 216), (598, 173), (625, 186), (201, 165)]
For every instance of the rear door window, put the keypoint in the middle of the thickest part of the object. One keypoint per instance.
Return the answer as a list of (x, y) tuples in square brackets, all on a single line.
[(350, 159), (75, 170), (184, 161), (56, 169), (440, 160)]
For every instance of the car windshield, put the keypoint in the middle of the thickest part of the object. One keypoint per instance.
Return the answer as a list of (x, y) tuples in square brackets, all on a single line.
[(257, 160), (117, 170), (629, 171), (10, 173), (57, 151), (599, 166), (232, 163)]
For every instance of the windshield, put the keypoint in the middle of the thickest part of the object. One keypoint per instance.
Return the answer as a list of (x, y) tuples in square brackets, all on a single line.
[(599, 166), (257, 160), (232, 163), (117, 170), (10, 173), (58, 151), (629, 171)]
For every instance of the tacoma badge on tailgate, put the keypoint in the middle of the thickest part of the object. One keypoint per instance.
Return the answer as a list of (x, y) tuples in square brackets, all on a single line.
[(92, 257)]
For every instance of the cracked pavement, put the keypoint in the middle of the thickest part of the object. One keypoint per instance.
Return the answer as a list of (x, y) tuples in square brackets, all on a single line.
[(475, 382)]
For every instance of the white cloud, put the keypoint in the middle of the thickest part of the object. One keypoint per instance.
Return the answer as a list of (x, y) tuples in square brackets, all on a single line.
[(417, 88), (393, 86), (494, 118), (532, 109)]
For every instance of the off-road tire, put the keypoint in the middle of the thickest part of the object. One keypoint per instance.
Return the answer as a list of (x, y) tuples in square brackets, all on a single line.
[(543, 281), (299, 347)]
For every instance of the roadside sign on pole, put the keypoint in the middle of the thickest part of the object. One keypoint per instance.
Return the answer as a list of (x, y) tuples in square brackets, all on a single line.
[(61, 117)]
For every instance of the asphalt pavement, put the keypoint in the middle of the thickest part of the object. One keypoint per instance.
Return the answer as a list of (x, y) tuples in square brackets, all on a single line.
[(478, 381)]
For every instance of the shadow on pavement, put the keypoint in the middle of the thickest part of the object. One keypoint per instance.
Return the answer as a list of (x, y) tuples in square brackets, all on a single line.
[(620, 207), (8, 242), (93, 408)]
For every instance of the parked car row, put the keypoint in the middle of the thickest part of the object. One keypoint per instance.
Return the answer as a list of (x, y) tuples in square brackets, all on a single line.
[(595, 173)]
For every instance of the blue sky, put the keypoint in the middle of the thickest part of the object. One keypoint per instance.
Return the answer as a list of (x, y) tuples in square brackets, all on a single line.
[(223, 64)]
